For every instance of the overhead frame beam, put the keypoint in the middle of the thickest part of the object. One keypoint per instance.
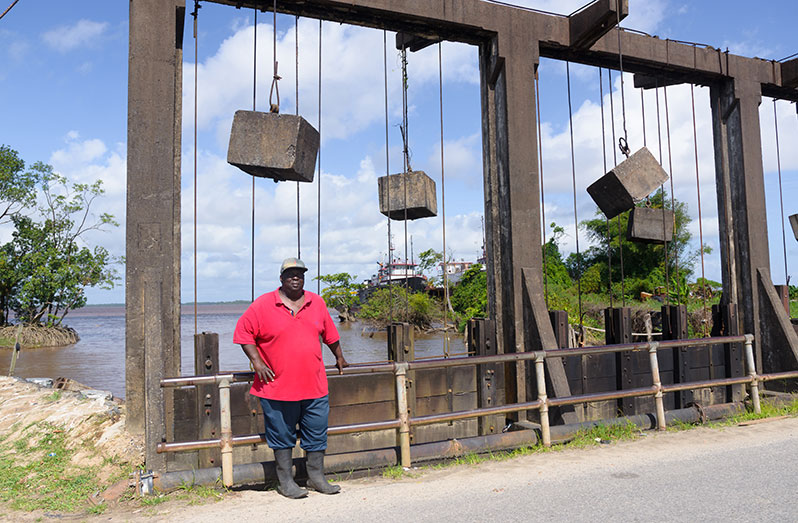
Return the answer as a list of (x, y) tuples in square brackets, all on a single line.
[(474, 21)]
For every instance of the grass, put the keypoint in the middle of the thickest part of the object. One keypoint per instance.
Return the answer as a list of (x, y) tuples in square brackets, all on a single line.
[(39, 475), (597, 435), (55, 396)]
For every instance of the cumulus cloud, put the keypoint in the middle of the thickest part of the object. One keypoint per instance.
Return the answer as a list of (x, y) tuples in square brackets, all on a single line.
[(65, 38), (352, 76)]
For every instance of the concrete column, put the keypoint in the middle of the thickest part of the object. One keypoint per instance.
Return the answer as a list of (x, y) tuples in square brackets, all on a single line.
[(152, 280), (741, 198)]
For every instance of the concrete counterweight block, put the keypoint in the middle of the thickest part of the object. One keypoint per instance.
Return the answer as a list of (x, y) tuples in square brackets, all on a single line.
[(272, 145), (421, 199), (631, 180), (650, 225), (794, 223)]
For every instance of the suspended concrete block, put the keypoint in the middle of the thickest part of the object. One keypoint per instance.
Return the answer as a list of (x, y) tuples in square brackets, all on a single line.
[(420, 189), (271, 145), (794, 223), (650, 225), (631, 180)]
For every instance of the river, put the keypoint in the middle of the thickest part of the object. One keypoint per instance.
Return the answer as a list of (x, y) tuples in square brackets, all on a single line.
[(98, 359)]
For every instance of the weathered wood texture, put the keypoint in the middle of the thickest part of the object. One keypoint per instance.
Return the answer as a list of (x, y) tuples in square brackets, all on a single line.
[(481, 340), (206, 362), (777, 334), (353, 399), (725, 322)]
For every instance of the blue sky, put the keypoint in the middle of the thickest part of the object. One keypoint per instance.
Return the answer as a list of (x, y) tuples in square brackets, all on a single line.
[(63, 83)]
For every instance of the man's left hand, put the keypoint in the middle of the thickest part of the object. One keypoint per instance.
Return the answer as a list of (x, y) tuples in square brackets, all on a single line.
[(341, 363)]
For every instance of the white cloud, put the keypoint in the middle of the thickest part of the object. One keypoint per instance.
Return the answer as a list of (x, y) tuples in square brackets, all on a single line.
[(68, 37), (644, 15), (462, 159), (352, 76)]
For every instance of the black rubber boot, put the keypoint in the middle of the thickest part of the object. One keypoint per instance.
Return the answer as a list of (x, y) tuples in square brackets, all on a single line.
[(283, 462), (316, 481)]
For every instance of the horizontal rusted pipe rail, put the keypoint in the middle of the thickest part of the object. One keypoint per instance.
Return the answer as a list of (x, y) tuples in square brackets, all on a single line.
[(602, 396), (255, 439), (241, 377), (778, 376), (475, 413), (404, 421)]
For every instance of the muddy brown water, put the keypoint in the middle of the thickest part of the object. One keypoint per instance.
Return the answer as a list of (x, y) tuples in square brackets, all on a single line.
[(98, 359)]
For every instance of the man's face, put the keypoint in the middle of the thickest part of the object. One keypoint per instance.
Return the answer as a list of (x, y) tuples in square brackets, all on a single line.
[(293, 279)]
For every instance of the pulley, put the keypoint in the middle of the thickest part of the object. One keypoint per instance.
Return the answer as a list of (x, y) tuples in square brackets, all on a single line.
[(272, 145), (648, 225), (416, 186), (631, 180)]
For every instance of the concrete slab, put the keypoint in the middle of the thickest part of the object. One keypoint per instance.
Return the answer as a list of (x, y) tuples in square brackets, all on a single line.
[(271, 145), (421, 197), (631, 180), (648, 225)]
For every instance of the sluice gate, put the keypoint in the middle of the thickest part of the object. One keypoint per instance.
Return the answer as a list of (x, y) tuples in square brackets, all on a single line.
[(465, 398)]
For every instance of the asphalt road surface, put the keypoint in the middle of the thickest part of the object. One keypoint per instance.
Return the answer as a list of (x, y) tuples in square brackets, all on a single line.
[(720, 474)]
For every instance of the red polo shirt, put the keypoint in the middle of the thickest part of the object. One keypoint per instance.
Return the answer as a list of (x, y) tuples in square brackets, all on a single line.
[(289, 345)]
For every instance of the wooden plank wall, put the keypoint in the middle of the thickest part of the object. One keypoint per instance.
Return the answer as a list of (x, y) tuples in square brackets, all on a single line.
[(353, 399)]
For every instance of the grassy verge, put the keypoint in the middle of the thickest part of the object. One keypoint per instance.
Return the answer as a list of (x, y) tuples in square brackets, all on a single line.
[(38, 473), (599, 435)]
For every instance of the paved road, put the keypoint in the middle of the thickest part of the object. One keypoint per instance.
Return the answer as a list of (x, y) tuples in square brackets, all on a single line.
[(730, 474)]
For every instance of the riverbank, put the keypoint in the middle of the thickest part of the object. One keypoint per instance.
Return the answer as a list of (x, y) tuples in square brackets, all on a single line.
[(37, 336), (62, 450)]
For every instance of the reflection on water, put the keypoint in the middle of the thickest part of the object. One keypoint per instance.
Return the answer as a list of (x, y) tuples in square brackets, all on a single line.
[(98, 359)]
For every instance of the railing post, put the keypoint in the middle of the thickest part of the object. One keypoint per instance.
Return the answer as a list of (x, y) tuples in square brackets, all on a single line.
[(226, 432), (749, 362), (404, 415), (540, 375), (652, 354)]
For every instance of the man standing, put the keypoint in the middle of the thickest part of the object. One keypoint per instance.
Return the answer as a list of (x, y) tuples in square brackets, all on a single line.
[(280, 333)]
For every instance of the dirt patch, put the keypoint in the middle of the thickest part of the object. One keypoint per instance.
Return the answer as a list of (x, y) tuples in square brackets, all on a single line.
[(94, 426), (77, 439)]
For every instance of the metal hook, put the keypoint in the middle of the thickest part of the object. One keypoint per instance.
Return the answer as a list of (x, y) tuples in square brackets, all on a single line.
[(623, 146)]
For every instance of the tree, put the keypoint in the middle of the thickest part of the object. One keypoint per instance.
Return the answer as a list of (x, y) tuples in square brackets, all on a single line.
[(644, 264), (47, 265), (17, 186), (555, 270), (395, 303), (470, 296), (341, 292)]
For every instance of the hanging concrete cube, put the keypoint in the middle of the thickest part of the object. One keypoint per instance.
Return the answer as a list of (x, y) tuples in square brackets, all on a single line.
[(650, 225), (271, 145), (794, 223), (631, 180), (420, 189)]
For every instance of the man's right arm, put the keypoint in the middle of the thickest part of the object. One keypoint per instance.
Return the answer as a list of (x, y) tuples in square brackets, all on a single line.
[(261, 369)]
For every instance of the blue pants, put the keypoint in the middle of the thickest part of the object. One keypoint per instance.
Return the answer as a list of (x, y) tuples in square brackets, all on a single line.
[(282, 418)]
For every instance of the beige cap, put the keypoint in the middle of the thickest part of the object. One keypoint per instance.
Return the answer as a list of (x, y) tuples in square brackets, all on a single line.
[(292, 263)]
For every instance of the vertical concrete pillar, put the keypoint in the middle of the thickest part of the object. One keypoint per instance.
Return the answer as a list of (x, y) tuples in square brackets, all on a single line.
[(513, 205), (152, 280), (741, 197)]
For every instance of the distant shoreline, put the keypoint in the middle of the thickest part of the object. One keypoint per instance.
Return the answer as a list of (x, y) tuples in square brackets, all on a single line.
[(118, 309)]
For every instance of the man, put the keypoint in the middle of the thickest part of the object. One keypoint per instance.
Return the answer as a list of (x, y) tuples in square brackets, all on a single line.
[(280, 334)]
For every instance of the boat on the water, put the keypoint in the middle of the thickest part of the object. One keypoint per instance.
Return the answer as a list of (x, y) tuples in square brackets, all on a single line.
[(395, 273)]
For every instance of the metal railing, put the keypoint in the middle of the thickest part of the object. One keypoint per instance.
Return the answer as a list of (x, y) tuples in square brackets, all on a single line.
[(403, 422)]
